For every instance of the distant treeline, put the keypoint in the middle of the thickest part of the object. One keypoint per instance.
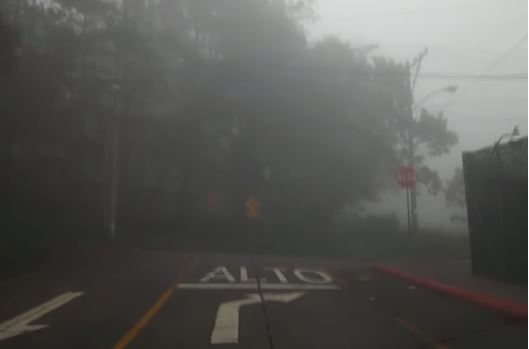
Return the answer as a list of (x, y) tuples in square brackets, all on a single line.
[(207, 103)]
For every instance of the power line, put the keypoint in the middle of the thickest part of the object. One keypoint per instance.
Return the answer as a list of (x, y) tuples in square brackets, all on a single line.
[(495, 77), (400, 75), (504, 55), (400, 13), (491, 67)]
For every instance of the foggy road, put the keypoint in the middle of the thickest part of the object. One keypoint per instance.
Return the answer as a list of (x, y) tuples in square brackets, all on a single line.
[(385, 141), (140, 299)]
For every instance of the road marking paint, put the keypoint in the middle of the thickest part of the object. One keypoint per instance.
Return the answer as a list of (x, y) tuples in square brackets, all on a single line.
[(125, 340), (244, 275), (426, 338), (219, 273), (278, 271), (322, 277), (305, 275), (144, 320), (226, 328), (20, 324), (253, 286)]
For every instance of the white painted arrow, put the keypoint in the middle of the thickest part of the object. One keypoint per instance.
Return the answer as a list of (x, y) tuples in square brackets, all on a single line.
[(226, 328), (20, 324)]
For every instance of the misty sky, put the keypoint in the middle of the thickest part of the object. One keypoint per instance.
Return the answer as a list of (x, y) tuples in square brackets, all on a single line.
[(463, 37)]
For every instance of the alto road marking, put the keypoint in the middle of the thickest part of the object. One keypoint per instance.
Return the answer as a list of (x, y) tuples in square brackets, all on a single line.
[(304, 275), (278, 272), (254, 286), (244, 275), (226, 328), (20, 324), (322, 277), (219, 273)]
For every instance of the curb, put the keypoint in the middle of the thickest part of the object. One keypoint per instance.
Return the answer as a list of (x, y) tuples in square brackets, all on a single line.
[(511, 308)]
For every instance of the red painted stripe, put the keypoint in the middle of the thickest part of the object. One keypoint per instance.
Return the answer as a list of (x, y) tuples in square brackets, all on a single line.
[(512, 308)]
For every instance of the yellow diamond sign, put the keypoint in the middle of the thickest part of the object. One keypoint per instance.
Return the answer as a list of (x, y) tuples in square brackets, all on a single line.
[(252, 207)]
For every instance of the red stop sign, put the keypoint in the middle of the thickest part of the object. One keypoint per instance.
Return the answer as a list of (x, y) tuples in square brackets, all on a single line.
[(213, 200), (406, 177)]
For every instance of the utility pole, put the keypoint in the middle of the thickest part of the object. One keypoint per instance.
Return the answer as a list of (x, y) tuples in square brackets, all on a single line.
[(114, 167), (119, 88), (411, 143), (193, 125)]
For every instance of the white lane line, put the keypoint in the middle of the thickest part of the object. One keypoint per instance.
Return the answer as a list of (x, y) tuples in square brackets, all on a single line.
[(20, 324), (226, 328), (253, 286)]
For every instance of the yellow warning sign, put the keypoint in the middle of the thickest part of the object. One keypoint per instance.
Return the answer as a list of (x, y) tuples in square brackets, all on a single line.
[(252, 207)]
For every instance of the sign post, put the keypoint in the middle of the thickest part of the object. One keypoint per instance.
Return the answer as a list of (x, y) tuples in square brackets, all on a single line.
[(406, 177)]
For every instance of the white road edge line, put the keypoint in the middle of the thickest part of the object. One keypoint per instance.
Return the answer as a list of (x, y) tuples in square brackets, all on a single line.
[(253, 286)]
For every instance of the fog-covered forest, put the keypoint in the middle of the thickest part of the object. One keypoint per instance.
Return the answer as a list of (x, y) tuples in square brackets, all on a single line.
[(187, 108)]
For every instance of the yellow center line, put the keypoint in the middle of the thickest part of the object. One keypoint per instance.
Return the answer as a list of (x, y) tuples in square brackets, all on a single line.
[(431, 341), (125, 340)]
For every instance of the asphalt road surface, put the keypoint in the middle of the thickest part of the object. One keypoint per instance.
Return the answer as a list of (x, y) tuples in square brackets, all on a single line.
[(152, 299)]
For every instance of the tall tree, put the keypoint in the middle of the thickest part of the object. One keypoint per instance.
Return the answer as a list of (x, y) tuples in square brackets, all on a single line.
[(220, 97)]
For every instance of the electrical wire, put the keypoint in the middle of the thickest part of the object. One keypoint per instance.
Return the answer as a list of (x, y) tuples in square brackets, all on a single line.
[(495, 77), (490, 68), (504, 55)]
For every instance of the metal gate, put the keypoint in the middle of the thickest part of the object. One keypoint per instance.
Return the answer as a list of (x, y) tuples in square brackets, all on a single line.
[(496, 195)]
